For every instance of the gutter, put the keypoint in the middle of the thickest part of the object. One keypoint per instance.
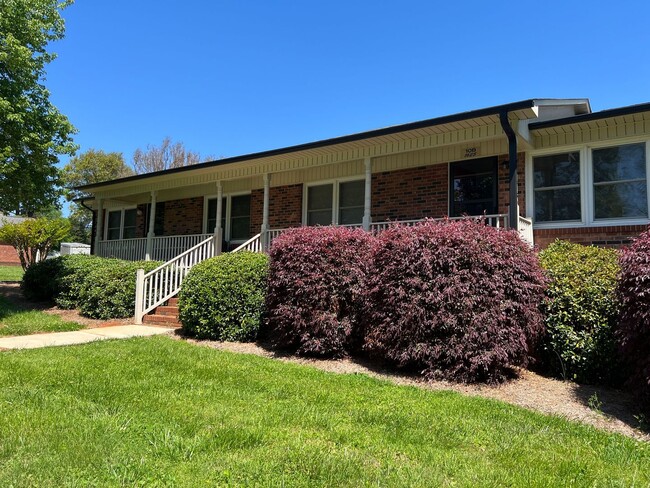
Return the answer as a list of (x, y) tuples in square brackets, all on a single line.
[(513, 208)]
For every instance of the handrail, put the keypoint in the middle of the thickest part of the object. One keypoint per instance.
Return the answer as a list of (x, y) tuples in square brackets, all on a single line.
[(253, 244), (162, 283)]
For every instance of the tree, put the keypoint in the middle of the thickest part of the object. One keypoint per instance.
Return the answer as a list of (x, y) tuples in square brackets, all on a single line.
[(167, 155), (92, 166), (34, 238), (33, 133)]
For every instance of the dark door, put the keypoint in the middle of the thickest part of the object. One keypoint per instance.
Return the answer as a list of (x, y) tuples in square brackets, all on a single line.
[(473, 187)]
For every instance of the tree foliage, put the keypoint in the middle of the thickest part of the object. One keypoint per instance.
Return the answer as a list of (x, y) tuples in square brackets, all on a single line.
[(33, 133), (92, 166), (34, 238), (168, 155)]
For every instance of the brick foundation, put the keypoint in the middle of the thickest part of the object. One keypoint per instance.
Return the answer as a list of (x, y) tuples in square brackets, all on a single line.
[(614, 236)]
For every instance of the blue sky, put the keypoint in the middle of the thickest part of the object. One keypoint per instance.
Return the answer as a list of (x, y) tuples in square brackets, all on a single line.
[(234, 77)]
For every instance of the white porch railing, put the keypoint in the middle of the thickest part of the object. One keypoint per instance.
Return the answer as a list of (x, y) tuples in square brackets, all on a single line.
[(159, 285), (254, 244), (526, 230), (164, 248)]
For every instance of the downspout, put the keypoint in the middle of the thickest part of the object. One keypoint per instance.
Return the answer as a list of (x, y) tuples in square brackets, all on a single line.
[(93, 225), (513, 208)]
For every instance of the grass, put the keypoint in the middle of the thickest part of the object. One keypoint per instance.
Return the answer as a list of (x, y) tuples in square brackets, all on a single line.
[(160, 412), (11, 273), (15, 321)]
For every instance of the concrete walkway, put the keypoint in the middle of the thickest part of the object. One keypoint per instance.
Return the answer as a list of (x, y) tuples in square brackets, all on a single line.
[(80, 336)]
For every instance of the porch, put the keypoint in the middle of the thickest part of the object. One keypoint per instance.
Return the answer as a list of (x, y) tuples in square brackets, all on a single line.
[(164, 248)]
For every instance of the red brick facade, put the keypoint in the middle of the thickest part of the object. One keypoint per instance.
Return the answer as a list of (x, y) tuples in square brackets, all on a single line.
[(183, 217), (8, 255), (410, 194), (285, 207), (504, 184), (614, 236)]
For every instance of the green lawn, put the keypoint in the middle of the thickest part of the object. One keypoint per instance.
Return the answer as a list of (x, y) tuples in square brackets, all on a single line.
[(160, 412), (15, 321), (11, 273)]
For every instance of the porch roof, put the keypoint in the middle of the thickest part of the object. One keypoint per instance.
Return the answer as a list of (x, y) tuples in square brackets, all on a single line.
[(439, 126)]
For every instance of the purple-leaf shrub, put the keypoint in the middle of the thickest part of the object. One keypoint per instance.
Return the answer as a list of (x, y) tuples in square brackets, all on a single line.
[(633, 292), (316, 286), (457, 300)]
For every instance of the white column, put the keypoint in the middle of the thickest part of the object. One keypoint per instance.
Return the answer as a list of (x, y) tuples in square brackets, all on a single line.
[(265, 211), (218, 231), (99, 229), (367, 202), (152, 222)]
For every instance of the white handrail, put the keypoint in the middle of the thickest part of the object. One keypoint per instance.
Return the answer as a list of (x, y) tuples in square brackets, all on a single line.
[(254, 244), (159, 285)]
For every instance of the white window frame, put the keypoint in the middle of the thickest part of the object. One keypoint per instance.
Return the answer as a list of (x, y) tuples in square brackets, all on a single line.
[(336, 182), (586, 184), (228, 197), (121, 210)]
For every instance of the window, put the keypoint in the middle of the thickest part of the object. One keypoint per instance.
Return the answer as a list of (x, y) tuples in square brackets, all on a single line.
[(606, 185), (235, 217), (474, 187), (556, 181), (121, 224), (159, 221), (340, 203), (620, 187)]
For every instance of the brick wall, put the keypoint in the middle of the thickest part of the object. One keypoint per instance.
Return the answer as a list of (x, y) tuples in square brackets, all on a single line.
[(183, 217), (614, 236), (410, 194), (8, 255), (285, 207)]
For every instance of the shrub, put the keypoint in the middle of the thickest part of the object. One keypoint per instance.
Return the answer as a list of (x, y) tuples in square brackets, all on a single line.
[(633, 292), (108, 290), (457, 300), (57, 279), (315, 292), (40, 281), (581, 312), (222, 298), (73, 275)]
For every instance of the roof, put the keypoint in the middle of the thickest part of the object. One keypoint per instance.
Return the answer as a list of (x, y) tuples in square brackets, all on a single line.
[(613, 112), (11, 220), (521, 109)]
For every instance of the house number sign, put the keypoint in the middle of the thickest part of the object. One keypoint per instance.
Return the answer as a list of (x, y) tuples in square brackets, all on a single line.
[(471, 152)]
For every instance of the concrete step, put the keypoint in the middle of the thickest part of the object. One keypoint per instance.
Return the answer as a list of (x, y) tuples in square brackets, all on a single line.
[(167, 310)]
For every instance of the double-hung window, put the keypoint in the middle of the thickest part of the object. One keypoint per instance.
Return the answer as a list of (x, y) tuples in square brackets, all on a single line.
[(556, 181), (620, 186), (339, 203), (235, 217), (591, 185), (121, 224)]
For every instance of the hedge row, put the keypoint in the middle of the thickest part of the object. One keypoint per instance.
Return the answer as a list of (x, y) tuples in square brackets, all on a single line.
[(455, 299), (101, 288)]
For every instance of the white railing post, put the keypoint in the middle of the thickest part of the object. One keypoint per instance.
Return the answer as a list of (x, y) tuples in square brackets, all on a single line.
[(218, 235), (139, 295), (367, 201), (150, 233)]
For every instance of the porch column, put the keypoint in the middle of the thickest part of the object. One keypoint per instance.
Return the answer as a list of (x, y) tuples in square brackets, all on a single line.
[(152, 222), (367, 202), (265, 212), (218, 231), (100, 224)]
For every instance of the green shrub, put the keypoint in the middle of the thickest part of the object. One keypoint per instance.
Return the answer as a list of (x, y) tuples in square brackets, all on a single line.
[(223, 298), (581, 312), (40, 281), (108, 290), (72, 276)]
